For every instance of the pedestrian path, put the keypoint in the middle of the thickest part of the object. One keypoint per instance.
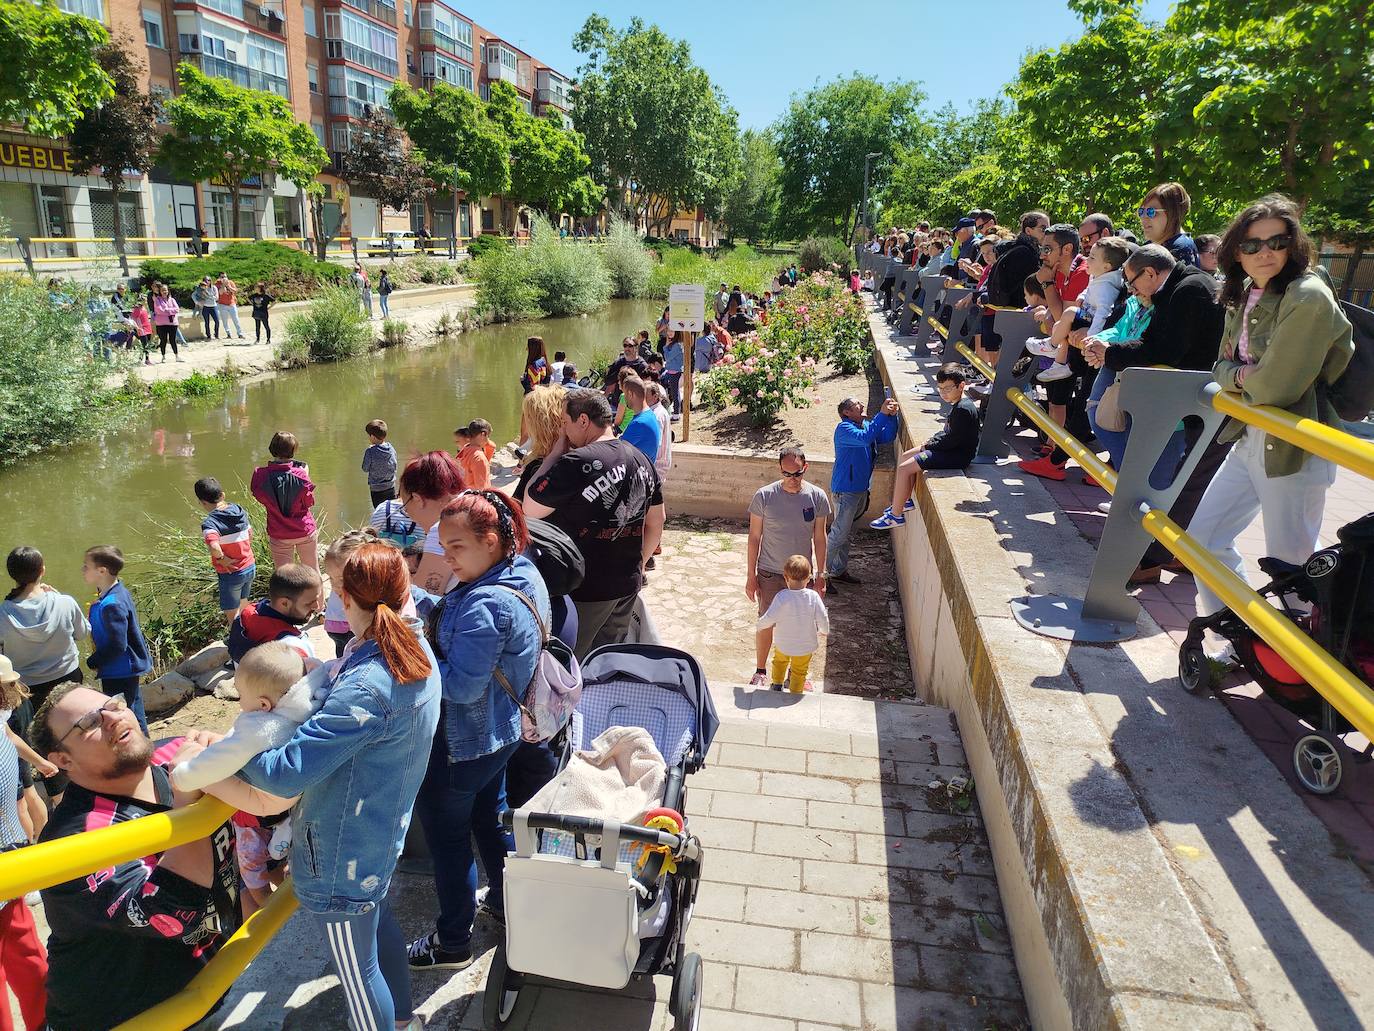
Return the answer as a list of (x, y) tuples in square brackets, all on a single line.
[(845, 886)]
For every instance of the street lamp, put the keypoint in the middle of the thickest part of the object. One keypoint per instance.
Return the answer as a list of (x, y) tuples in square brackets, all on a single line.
[(867, 159)]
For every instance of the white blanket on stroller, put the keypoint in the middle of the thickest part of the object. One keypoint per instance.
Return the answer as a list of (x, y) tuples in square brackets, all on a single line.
[(620, 778)]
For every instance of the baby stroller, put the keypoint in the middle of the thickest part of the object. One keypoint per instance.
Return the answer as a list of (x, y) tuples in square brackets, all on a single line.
[(580, 906), (1338, 583)]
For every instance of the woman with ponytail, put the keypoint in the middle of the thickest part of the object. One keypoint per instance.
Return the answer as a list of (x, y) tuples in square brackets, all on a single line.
[(482, 628), (357, 764)]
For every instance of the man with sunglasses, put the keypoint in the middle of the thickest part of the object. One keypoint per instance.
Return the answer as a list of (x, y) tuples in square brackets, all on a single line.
[(127, 937), (786, 517), (1093, 228)]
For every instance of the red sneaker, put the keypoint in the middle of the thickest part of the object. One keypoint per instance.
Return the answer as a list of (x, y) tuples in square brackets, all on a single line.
[(1043, 467), (1088, 481)]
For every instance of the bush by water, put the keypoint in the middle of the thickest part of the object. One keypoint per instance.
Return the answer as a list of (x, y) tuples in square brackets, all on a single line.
[(333, 327), (290, 274), (629, 263)]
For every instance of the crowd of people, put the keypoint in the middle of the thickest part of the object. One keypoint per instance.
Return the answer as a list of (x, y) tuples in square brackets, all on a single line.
[(1251, 306)]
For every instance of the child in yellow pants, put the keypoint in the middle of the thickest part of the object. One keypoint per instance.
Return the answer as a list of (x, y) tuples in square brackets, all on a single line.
[(799, 620)]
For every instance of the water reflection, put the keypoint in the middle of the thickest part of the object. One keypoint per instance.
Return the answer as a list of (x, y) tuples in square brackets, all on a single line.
[(115, 487)]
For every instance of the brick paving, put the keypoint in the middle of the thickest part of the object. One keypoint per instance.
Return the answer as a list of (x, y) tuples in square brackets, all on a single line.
[(1349, 813)]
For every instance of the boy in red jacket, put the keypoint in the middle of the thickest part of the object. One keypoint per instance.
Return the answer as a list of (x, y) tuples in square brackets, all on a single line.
[(283, 487)]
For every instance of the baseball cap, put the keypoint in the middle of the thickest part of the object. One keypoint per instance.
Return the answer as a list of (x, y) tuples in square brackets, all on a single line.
[(7, 672), (963, 223)]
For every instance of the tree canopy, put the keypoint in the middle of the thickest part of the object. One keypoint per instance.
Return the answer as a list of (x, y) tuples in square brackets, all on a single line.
[(659, 133), (230, 134), (379, 163), (822, 141), (750, 205), (50, 73), (458, 144), (548, 165)]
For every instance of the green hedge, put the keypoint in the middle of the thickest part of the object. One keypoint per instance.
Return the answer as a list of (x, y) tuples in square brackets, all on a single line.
[(290, 274)]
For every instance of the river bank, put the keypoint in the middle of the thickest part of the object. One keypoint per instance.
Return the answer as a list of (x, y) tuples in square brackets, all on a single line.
[(421, 308)]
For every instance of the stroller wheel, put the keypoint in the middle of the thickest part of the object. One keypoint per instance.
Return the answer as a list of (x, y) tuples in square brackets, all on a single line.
[(502, 998), (1194, 671), (1317, 764), (685, 1004)]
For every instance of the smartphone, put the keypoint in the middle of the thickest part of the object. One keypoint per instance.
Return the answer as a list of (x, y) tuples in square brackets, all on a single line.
[(887, 393)]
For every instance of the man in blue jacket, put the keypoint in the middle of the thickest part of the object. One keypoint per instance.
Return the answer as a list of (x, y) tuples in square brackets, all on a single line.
[(856, 445)]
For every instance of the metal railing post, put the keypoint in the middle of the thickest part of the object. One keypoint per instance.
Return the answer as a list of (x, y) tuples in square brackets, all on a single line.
[(932, 286), (1014, 327), (956, 331), (1157, 400), (353, 240), (911, 313), (26, 252)]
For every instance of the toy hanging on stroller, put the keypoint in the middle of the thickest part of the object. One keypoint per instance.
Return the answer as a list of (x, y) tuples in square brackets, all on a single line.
[(1338, 583), (622, 895)]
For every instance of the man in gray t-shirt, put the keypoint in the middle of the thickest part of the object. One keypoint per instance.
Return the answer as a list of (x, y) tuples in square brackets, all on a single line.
[(786, 517)]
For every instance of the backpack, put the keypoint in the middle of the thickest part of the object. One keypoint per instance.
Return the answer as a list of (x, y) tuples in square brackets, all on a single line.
[(556, 557), (1352, 395), (401, 531)]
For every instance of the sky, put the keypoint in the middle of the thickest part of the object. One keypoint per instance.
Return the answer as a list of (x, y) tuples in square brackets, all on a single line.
[(760, 53)]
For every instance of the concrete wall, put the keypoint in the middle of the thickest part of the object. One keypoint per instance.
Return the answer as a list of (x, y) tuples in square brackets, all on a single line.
[(719, 482)]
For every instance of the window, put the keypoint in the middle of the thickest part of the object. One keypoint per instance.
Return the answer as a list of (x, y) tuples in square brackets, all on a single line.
[(360, 41), (267, 56), (312, 76), (188, 43), (152, 28), (318, 129), (310, 29), (233, 8), (407, 12), (87, 8), (160, 95), (445, 69)]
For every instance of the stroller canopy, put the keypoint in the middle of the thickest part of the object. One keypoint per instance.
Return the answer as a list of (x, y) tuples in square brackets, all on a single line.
[(668, 668)]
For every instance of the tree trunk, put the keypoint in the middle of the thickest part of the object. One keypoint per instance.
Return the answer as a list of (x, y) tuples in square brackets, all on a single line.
[(234, 201), (317, 223), (116, 188), (849, 228), (1351, 268)]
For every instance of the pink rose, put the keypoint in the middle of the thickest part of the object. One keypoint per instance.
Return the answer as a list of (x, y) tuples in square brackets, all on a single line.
[(734, 391), (759, 394)]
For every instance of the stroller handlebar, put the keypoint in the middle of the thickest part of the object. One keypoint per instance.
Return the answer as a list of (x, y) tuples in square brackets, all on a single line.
[(590, 826)]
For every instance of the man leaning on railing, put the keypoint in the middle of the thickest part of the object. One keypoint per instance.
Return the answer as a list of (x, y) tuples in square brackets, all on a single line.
[(129, 936)]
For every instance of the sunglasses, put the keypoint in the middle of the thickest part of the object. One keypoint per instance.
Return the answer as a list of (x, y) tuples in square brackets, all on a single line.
[(91, 720), (1274, 243), (1046, 248), (1147, 212), (796, 475)]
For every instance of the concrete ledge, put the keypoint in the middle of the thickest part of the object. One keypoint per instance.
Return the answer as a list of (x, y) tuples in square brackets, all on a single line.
[(1144, 846), (719, 482)]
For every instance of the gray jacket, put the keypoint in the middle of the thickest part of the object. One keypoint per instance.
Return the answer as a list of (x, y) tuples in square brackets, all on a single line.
[(39, 635)]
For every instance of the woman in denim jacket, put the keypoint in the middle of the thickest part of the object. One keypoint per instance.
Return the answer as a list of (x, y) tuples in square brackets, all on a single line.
[(1285, 338), (482, 625), (358, 764)]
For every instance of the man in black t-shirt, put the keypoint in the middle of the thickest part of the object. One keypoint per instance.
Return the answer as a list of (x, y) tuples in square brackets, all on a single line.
[(127, 937), (605, 495)]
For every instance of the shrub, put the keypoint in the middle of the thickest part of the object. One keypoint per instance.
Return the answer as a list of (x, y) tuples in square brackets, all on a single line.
[(570, 277), (742, 265), (761, 379), (395, 333), (505, 289), (332, 327), (480, 245), (290, 274), (421, 268), (824, 254), (51, 391), (627, 261)]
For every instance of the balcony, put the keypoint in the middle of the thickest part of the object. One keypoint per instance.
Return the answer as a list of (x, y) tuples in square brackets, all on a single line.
[(449, 44), (264, 18), (249, 77), (352, 107), (338, 49), (556, 97), (376, 8)]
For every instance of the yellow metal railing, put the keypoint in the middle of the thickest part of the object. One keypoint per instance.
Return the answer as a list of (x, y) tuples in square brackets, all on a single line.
[(1349, 695), (65, 859)]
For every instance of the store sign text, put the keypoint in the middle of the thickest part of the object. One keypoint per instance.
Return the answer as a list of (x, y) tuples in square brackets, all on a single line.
[(24, 155)]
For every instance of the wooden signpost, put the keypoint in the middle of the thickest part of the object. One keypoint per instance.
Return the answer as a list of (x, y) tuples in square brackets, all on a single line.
[(687, 315)]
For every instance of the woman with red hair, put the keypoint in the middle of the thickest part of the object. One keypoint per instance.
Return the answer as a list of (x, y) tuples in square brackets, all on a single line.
[(428, 484), (372, 732), (487, 634)]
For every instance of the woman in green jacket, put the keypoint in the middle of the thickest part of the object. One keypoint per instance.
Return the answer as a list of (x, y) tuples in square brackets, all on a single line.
[(1285, 340)]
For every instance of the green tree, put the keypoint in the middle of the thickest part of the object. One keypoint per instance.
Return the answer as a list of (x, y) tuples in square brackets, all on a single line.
[(750, 206), (1283, 93), (548, 165), (49, 73), (117, 136), (651, 118), (456, 141), (822, 141), (229, 133), (379, 163)]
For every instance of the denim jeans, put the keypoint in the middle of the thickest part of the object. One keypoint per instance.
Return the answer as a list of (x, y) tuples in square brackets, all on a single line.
[(673, 381), (227, 314), (460, 802), (208, 314), (386, 306), (848, 508), (369, 955)]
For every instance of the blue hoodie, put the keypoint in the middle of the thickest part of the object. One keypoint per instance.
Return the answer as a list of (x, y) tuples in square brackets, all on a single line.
[(854, 447), (120, 650)]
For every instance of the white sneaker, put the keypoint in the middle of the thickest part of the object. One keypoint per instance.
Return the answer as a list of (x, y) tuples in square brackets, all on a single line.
[(1105, 507), (1223, 653), (1042, 346), (1056, 371)]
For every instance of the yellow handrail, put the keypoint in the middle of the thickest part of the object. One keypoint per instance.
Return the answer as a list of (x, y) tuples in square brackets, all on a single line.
[(1353, 698), (207, 987), (1312, 436), (65, 859), (938, 327), (987, 370), (1349, 695)]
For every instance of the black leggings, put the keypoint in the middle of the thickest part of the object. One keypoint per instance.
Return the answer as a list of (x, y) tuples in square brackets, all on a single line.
[(208, 314), (260, 326), (167, 335)]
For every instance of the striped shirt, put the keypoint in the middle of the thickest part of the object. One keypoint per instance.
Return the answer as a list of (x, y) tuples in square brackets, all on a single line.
[(229, 528)]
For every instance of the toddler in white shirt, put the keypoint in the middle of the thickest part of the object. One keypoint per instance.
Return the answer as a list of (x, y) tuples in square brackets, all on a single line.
[(799, 621)]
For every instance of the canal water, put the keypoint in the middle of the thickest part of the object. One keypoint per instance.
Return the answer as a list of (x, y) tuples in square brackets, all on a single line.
[(118, 487)]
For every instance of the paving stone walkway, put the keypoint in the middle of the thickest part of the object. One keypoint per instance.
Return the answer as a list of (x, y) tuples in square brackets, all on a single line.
[(839, 891)]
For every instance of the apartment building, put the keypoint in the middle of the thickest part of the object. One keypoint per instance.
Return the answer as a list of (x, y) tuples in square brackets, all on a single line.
[(332, 60)]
